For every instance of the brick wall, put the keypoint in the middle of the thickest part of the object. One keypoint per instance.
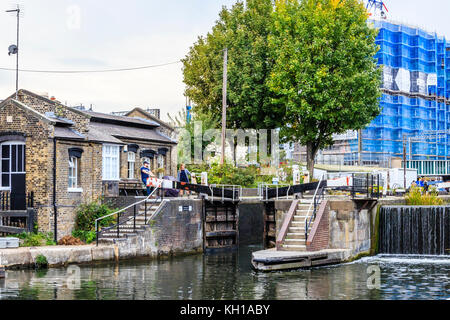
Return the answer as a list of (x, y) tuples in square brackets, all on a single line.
[(90, 181), (37, 146), (319, 237), (43, 105)]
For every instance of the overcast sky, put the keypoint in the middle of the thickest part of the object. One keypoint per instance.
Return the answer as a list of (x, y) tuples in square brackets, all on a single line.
[(104, 34)]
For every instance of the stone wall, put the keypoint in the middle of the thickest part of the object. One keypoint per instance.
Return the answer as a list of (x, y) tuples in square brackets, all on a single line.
[(349, 228), (281, 209), (170, 233)]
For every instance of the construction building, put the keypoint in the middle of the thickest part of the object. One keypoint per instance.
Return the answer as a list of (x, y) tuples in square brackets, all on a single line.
[(414, 106)]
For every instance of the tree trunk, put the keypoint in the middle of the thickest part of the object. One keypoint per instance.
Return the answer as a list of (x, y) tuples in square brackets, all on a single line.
[(311, 151)]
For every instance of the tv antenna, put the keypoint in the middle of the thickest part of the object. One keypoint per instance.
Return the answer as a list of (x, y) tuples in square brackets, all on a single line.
[(377, 7), (14, 48)]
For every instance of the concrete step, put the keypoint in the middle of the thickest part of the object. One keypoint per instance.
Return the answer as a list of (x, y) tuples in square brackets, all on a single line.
[(114, 235), (296, 229), (296, 235), (122, 231), (294, 247), (299, 218), (300, 223), (294, 242), (303, 207)]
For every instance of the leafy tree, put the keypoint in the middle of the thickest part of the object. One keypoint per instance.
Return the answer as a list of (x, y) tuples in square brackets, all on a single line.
[(244, 30), (325, 72)]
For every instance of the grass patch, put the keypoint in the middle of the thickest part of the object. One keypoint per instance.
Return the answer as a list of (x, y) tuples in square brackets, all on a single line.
[(416, 198)]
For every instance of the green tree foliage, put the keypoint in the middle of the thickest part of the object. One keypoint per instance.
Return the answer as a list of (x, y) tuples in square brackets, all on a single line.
[(244, 30), (325, 72)]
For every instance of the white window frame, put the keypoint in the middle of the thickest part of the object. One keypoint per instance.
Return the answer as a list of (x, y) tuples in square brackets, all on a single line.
[(161, 164), (11, 143), (74, 164), (111, 162), (131, 165)]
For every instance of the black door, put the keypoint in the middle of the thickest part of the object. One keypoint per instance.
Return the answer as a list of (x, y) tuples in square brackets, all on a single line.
[(18, 194)]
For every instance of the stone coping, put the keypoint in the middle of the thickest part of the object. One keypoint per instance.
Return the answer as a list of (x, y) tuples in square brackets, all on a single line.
[(57, 255)]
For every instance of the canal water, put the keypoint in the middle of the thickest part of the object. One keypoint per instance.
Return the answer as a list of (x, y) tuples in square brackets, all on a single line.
[(230, 276)]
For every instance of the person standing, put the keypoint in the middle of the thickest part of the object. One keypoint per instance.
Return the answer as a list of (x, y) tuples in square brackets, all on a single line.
[(145, 174), (183, 175)]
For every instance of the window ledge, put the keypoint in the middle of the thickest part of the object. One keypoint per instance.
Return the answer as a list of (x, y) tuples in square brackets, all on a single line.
[(75, 190)]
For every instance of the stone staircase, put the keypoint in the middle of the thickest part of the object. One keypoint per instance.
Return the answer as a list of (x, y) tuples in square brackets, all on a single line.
[(127, 230), (295, 238)]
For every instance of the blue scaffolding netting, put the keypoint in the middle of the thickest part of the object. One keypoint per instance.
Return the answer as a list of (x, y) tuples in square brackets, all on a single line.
[(416, 75)]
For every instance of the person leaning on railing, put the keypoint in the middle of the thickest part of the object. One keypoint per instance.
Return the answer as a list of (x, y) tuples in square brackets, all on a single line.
[(183, 175), (146, 173)]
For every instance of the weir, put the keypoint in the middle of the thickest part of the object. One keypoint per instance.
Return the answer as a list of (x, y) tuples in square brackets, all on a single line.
[(415, 230)]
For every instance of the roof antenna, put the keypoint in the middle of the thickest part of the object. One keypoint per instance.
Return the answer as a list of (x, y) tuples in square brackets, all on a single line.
[(14, 49)]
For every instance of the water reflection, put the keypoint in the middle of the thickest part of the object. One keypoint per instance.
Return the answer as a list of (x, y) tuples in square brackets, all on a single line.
[(229, 276)]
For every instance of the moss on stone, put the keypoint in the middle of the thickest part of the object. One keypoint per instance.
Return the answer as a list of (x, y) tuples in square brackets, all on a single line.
[(374, 248), (360, 256)]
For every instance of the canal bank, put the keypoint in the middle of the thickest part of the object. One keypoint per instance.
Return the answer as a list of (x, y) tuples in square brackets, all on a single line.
[(345, 230), (229, 276)]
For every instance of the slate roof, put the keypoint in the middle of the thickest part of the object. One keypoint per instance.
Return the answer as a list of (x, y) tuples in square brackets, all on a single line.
[(126, 132), (67, 133), (109, 118), (100, 134)]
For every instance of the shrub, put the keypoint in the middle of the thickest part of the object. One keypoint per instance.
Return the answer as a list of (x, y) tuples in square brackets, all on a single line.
[(85, 220), (231, 175), (86, 236), (41, 262), (416, 198)]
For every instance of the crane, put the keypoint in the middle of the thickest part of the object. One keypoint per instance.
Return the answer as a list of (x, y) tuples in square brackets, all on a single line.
[(378, 7)]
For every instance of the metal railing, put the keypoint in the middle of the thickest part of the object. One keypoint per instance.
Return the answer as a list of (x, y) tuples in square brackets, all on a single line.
[(237, 191), (120, 222), (429, 167), (263, 189), (9, 200), (318, 196)]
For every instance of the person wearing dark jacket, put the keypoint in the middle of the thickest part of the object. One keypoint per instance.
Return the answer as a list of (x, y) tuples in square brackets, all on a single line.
[(183, 175), (145, 174)]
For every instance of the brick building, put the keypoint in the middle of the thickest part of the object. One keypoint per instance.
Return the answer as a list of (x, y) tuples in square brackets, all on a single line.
[(67, 156)]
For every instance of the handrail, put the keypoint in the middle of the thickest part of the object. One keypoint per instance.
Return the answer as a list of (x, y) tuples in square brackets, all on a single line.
[(285, 226), (263, 186), (118, 212), (234, 187), (311, 206)]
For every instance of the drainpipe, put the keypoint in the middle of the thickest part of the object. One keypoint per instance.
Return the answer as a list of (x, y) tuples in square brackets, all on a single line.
[(55, 209)]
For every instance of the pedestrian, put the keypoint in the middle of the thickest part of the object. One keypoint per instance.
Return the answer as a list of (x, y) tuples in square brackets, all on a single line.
[(183, 175), (146, 173), (425, 187)]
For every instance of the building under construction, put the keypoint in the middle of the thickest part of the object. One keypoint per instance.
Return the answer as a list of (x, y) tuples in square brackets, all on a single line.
[(414, 106)]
